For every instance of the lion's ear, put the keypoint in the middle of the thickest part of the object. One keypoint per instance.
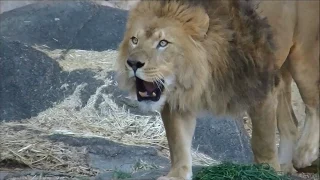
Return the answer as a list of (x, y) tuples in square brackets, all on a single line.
[(197, 23)]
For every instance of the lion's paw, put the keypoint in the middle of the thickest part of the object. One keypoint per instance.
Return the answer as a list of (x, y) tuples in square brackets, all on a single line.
[(305, 154), (288, 168)]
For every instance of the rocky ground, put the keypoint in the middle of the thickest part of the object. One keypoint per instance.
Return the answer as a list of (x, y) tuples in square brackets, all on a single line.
[(61, 113)]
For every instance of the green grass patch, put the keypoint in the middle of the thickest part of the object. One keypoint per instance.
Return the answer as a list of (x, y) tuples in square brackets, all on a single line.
[(230, 171)]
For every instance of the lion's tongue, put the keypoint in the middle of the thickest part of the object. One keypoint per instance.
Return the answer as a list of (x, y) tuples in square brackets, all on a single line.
[(150, 86)]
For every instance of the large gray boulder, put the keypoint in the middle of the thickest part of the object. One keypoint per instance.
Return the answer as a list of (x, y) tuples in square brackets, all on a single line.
[(65, 25), (30, 80)]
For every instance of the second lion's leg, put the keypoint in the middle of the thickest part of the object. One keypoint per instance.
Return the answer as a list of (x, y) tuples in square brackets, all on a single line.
[(287, 122), (179, 130), (304, 67), (263, 142)]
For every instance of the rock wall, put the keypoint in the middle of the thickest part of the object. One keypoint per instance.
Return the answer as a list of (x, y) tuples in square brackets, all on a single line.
[(7, 5)]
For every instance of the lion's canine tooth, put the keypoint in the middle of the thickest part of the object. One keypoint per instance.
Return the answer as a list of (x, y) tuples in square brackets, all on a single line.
[(143, 94), (154, 94)]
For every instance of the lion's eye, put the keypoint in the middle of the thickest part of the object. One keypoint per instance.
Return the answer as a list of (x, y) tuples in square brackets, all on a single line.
[(134, 40), (163, 43)]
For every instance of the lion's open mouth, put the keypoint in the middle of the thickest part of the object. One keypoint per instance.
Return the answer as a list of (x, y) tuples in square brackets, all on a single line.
[(148, 90)]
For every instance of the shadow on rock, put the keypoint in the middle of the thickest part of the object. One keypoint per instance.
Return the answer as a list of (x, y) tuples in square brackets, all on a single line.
[(31, 82)]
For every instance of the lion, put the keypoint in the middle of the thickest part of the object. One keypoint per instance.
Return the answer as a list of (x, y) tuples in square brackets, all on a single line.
[(185, 57)]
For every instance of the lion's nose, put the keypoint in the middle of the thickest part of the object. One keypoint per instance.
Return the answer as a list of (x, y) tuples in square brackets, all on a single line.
[(135, 64)]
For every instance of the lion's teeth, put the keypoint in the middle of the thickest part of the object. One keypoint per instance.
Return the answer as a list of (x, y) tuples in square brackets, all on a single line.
[(143, 94)]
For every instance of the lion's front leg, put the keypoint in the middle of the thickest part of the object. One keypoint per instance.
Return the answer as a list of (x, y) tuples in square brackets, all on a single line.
[(263, 117), (179, 130)]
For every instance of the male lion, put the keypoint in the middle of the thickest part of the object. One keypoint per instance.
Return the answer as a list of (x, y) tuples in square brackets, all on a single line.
[(183, 57)]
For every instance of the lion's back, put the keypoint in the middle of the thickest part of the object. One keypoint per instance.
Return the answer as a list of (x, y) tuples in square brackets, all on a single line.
[(291, 21)]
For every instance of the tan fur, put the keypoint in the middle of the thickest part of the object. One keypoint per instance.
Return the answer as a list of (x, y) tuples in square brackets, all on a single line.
[(225, 58)]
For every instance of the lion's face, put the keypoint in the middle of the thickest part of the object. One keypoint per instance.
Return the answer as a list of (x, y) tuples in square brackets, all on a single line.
[(148, 59), (153, 57)]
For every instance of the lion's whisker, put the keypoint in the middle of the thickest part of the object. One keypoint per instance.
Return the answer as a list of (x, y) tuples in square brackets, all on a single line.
[(160, 79), (156, 81)]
